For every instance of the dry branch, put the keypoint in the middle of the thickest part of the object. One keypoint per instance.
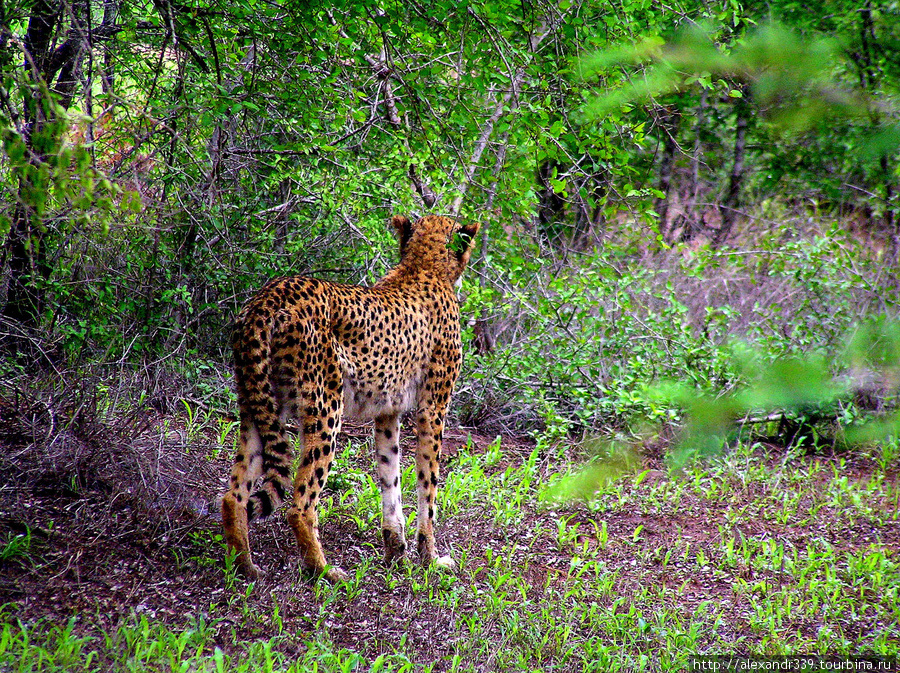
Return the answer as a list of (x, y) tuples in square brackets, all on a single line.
[(510, 99)]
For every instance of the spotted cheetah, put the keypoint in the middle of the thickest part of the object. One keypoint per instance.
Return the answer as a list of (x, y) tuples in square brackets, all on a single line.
[(317, 351)]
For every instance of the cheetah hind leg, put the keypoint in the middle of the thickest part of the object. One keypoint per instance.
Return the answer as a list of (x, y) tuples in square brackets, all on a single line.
[(234, 519), (319, 444), (312, 556)]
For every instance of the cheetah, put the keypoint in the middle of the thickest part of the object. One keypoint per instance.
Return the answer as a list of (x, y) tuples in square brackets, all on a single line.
[(316, 352)]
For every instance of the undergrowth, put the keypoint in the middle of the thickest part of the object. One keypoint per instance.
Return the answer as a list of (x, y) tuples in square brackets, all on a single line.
[(753, 553), (579, 346), (714, 470)]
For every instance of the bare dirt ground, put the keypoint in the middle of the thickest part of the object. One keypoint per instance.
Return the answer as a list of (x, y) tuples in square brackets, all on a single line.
[(122, 522), (107, 545)]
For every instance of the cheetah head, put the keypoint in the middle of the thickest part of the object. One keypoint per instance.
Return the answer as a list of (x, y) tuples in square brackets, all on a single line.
[(440, 243)]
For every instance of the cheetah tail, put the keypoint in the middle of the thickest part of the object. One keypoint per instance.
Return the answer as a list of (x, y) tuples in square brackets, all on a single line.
[(276, 464), (265, 450)]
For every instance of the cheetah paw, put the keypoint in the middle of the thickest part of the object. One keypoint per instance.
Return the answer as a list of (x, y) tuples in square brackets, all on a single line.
[(335, 575), (250, 571), (444, 563)]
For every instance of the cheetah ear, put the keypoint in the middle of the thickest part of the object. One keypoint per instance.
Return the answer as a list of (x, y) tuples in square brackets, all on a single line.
[(463, 240), (404, 231), (472, 229), (460, 246)]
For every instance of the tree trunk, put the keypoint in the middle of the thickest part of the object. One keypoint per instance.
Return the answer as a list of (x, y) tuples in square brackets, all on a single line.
[(24, 300), (551, 206), (46, 59), (693, 220), (729, 207), (869, 76), (282, 216), (110, 14), (669, 119), (24, 243)]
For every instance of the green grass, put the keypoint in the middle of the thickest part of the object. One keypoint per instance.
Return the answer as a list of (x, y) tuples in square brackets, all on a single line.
[(142, 645), (16, 547), (749, 553)]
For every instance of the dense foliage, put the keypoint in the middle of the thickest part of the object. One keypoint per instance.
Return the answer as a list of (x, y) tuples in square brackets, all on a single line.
[(707, 174)]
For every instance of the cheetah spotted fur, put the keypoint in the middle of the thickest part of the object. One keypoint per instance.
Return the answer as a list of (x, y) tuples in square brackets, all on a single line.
[(316, 351)]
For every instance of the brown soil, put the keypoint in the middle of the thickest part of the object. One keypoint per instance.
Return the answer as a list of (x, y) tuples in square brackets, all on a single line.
[(133, 532)]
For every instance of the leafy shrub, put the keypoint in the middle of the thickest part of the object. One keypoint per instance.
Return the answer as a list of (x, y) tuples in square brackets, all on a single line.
[(583, 345)]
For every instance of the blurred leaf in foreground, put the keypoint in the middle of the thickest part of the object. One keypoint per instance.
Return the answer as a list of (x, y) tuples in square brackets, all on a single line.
[(791, 79), (786, 386), (611, 461)]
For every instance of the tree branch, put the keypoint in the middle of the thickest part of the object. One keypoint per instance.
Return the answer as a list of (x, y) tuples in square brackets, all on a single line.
[(385, 73), (510, 98), (75, 41), (486, 132)]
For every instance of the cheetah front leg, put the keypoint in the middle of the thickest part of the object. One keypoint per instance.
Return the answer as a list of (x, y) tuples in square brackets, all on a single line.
[(387, 457), (430, 428)]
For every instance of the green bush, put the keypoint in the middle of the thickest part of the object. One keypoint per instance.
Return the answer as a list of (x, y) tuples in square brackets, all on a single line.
[(583, 347)]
